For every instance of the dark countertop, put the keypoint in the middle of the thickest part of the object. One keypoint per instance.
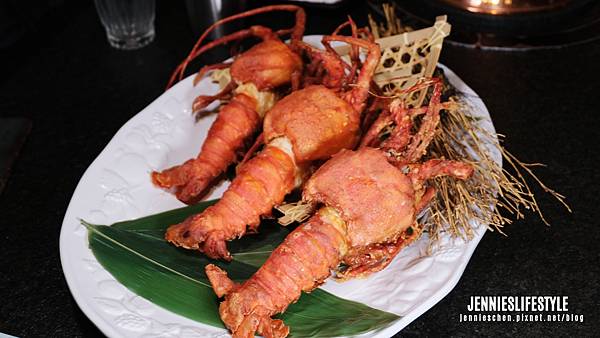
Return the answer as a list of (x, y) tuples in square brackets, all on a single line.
[(78, 92)]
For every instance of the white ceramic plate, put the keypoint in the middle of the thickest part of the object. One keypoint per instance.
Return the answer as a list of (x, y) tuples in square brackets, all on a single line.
[(116, 186)]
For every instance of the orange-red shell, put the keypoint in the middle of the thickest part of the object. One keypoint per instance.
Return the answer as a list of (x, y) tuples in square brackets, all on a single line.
[(235, 123), (300, 263), (261, 183), (373, 197), (267, 65), (316, 121)]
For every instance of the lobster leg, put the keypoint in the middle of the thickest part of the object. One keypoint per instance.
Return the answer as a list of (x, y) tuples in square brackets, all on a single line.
[(300, 264), (357, 97), (334, 66), (371, 136), (261, 183), (397, 114), (426, 132), (374, 108), (354, 51), (400, 138), (436, 168), (202, 101)]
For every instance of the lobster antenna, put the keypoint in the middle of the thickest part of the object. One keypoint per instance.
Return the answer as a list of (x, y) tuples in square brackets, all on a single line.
[(296, 32)]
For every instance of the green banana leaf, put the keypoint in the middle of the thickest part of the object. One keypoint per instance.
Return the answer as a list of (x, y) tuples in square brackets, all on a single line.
[(137, 255)]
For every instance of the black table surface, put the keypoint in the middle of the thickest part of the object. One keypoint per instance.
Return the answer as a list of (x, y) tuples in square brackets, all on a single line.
[(78, 92)]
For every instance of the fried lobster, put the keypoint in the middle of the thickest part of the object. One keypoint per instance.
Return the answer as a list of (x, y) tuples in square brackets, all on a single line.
[(369, 198), (255, 74), (308, 125)]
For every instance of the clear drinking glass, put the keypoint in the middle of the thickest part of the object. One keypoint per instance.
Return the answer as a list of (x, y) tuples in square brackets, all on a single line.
[(129, 24)]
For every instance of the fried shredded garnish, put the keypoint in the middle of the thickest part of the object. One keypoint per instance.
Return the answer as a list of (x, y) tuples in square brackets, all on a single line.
[(494, 196), (392, 26), (295, 212)]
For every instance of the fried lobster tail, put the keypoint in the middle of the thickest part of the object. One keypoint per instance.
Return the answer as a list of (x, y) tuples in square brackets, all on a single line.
[(307, 125), (260, 184), (298, 265), (226, 137), (369, 214), (255, 73)]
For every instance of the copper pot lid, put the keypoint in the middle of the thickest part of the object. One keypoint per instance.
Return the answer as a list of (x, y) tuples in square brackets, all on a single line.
[(544, 24), (505, 7)]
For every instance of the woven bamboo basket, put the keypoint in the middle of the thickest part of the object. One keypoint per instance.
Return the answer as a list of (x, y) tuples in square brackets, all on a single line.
[(408, 57)]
